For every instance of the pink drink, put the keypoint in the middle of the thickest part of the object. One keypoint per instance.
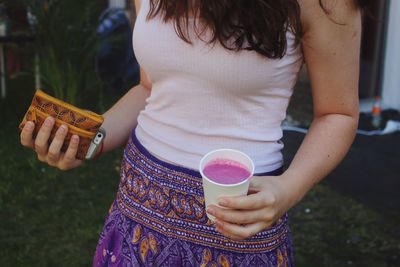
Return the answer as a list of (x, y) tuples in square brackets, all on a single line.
[(225, 171)]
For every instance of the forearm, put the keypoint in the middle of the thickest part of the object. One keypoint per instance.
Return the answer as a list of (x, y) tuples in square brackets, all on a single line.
[(122, 117), (325, 145)]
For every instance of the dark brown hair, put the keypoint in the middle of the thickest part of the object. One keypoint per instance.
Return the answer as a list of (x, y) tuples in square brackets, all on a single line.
[(258, 25)]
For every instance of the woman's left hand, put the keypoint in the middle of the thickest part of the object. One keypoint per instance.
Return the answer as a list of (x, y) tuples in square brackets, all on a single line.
[(268, 200)]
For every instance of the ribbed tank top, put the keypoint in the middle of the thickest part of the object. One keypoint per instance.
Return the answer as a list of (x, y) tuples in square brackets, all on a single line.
[(206, 97)]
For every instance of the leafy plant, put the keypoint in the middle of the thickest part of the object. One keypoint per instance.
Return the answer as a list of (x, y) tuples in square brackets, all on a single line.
[(67, 44)]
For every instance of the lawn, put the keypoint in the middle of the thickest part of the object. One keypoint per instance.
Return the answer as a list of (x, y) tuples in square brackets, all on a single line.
[(53, 218)]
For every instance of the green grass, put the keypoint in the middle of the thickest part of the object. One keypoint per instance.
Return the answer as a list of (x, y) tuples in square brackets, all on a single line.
[(334, 230), (53, 218)]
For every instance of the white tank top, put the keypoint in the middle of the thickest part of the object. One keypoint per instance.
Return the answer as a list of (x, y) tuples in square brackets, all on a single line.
[(206, 97)]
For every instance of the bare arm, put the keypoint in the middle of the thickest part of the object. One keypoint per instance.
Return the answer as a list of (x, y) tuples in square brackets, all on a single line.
[(122, 117), (137, 5), (331, 53)]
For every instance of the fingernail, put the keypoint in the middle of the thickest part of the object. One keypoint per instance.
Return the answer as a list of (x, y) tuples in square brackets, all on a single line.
[(49, 121), (62, 129), (211, 211), (75, 138), (222, 202), (29, 125)]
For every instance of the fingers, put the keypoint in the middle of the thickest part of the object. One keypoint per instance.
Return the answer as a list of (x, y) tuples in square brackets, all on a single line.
[(239, 216), (26, 134), (69, 159), (41, 140), (249, 202), (239, 232), (53, 154)]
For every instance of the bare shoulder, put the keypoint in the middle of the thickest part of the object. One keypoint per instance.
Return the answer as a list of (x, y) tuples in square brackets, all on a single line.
[(331, 48), (334, 25), (333, 13)]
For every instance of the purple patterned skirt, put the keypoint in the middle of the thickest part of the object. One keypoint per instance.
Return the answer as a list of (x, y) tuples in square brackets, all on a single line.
[(158, 219)]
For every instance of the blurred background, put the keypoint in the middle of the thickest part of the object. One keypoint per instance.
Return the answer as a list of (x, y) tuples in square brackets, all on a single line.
[(81, 51)]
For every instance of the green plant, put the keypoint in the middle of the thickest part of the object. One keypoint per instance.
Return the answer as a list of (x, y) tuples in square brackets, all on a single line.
[(66, 45)]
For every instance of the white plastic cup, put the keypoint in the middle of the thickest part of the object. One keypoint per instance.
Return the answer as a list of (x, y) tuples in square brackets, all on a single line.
[(214, 190)]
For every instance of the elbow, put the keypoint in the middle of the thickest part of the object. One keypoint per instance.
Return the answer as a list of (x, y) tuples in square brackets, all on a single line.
[(347, 121)]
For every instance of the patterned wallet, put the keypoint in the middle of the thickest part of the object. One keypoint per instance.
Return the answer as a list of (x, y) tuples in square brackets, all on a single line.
[(80, 122)]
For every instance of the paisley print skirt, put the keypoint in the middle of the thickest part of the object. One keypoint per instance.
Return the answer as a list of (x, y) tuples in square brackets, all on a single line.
[(158, 219)]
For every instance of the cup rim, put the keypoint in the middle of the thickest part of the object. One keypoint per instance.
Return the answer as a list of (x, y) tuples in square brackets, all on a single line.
[(232, 150)]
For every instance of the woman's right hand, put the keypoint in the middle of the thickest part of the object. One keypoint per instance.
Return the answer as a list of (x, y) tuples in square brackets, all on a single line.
[(51, 154)]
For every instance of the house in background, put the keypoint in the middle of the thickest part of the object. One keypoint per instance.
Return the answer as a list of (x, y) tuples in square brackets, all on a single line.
[(391, 65), (380, 56)]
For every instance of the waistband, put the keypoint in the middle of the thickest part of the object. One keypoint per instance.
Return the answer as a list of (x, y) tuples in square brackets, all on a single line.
[(169, 199)]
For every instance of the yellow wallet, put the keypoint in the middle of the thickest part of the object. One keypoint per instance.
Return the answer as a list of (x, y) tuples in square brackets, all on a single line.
[(84, 123)]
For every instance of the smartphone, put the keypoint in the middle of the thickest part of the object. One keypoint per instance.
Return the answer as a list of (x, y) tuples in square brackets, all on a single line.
[(95, 144)]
